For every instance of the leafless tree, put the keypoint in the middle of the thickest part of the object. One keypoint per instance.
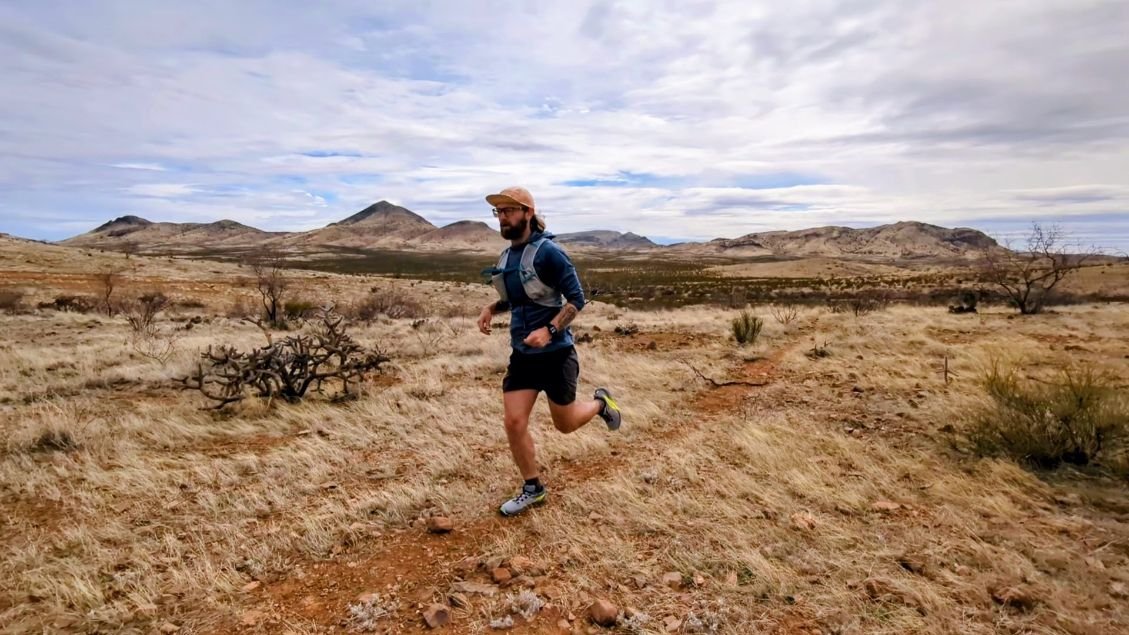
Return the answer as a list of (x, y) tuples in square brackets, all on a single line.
[(108, 280), (271, 282), (141, 312), (1028, 276)]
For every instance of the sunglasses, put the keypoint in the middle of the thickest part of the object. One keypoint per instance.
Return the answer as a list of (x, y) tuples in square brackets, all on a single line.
[(506, 211)]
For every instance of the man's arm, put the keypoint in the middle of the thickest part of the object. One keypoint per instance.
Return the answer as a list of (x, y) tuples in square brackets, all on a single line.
[(568, 283), (567, 314)]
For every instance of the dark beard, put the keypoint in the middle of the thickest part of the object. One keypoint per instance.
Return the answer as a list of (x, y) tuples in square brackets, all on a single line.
[(513, 232)]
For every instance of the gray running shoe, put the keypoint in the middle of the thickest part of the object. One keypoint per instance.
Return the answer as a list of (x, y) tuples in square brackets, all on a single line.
[(528, 497), (610, 414)]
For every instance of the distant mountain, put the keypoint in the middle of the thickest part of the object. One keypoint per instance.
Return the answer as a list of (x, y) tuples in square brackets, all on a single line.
[(606, 239), (385, 225), (906, 239), (465, 234), (145, 234), (379, 225)]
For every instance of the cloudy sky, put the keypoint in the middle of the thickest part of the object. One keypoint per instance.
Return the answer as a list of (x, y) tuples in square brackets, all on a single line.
[(673, 119)]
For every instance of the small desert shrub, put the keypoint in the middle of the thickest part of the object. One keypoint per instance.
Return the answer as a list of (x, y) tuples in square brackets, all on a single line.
[(784, 313), (746, 328), (392, 303), (11, 300), (288, 368), (868, 303), (190, 303), (143, 310), (71, 303), (241, 308), (1082, 418), (299, 309), (54, 441)]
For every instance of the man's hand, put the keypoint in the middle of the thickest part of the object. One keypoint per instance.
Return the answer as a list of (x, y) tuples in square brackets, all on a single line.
[(539, 338), (484, 319)]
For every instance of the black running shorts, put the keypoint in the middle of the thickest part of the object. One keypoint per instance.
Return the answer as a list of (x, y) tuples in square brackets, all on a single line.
[(554, 372)]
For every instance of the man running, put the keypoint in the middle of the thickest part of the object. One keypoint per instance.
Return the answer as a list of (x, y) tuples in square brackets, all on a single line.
[(538, 285)]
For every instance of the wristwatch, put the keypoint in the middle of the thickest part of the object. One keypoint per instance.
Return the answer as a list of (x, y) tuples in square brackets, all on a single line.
[(552, 330)]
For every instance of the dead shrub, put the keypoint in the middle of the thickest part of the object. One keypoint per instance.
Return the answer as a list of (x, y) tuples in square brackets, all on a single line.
[(389, 302), (54, 441), (868, 303), (142, 310), (71, 304), (1081, 419), (299, 309), (11, 300), (287, 368), (785, 314)]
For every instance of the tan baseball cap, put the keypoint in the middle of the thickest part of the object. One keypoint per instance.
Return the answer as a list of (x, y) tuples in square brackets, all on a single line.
[(512, 195)]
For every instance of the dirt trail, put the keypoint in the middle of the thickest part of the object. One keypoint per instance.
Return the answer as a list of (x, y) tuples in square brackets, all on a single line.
[(421, 566)]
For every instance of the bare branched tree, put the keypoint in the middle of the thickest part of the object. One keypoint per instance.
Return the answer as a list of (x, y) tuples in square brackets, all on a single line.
[(141, 312), (271, 282), (1028, 276), (108, 280)]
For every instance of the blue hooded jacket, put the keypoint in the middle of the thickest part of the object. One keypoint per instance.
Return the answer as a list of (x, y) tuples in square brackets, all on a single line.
[(555, 269)]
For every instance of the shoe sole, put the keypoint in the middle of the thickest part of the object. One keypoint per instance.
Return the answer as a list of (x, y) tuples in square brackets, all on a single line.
[(536, 501)]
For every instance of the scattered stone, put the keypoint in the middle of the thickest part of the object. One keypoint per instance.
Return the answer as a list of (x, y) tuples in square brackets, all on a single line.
[(885, 506), (502, 623), (468, 565), (640, 581), (1118, 590), (251, 586), (914, 563), (603, 612), (563, 624), (494, 562), (731, 579), (251, 618), (423, 596), (699, 579), (856, 389), (524, 566), (436, 615), (169, 627), (803, 520), (329, 485), (501, 575), (473, 588), (671, 623), (440, 525), (1017, 596), (672, 579)]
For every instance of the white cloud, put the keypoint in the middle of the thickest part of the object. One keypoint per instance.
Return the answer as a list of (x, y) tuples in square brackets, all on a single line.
[(154, 167), (686, 119), (162, 190)]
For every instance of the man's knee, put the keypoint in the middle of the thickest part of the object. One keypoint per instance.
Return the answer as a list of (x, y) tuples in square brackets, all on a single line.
[(516, 423)]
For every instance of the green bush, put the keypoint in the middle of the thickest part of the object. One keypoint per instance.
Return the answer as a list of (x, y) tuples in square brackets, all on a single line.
[(747, 328), (1081, 419)]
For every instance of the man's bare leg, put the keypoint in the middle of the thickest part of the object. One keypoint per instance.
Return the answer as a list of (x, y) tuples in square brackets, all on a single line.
[(518, 406), (572, 417)]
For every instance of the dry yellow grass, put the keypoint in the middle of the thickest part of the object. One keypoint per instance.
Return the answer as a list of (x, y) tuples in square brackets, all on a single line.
[(128, 506)]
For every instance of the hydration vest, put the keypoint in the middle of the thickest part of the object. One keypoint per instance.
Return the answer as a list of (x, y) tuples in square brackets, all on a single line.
[(538, 291)]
